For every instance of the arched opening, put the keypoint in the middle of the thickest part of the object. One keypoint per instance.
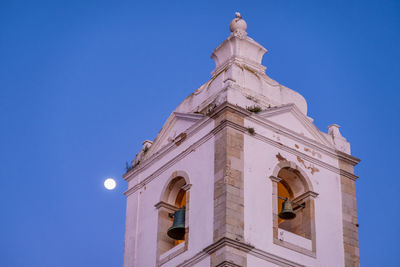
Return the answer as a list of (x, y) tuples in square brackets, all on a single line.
[(292, 186), (175, 196), (298, 233)]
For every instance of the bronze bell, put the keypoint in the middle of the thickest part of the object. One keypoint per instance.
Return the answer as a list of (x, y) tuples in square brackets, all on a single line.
[(287, 210), (177, 230)]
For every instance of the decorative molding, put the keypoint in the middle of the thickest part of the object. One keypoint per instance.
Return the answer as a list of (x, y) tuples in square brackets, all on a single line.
[(164, 150), (275, 179), (305, 195), (189, 116), (293, 109), (168, 164), (261, 254), (292, 165), (165, 130), (276, 110), (193, 260), (240, 62), (187, 187), (174, 175), (260, 120), (166, 205), (247, 248), (180, 138), (303, 139), (147, 163), (288, 133), (227, 106), (225, 241), (292, 151), (228, 264), (305, 156)]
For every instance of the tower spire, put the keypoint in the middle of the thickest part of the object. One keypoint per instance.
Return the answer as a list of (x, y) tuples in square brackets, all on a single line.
[(239, 47)]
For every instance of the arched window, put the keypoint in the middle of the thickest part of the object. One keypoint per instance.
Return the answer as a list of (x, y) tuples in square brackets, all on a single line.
[(298, 233), (291, 186), (175, 196)]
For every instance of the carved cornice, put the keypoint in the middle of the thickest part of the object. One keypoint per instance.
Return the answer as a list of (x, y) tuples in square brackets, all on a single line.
[(189, 116), (193, 260), (303, 139), (168, 164), (305, 156), (226, 106), (228, 264), (304, 120), (261, 254), (288, 149), (247, 248), (172, 119), (287, 132), (225, 241), (240, 62), (164, 150)]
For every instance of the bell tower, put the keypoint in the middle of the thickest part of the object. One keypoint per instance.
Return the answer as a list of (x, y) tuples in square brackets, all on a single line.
[(240, 176)]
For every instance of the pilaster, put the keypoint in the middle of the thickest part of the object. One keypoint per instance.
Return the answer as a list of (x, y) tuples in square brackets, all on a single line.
[(350, 223), (228, 189)]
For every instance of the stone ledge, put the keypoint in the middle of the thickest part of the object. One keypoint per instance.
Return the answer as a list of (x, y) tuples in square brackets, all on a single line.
[(166, 205), (247, 248), (172, 253)]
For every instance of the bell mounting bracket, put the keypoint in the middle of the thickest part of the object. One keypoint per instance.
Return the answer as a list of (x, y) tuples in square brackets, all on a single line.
[(298, 205)]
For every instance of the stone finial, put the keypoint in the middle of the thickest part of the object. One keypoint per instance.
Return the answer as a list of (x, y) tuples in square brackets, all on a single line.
[(333, 130), (238, 49), (147, 143), (238, 26), (338, 140), (140, 156)]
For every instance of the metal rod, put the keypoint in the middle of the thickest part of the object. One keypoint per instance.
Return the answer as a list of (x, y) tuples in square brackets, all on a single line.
[(285, 198)]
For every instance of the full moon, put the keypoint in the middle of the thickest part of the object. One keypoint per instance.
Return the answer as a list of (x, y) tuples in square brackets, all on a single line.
[(110, 183)]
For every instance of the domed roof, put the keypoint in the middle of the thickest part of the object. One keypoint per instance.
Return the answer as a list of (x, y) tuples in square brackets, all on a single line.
[(239, 77)]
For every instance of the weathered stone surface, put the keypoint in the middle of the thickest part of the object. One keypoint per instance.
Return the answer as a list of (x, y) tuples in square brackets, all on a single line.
[(228, 199), (350, 226)]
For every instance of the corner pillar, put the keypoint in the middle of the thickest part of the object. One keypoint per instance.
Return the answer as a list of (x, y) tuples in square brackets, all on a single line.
[(228, 187), (350, 221)]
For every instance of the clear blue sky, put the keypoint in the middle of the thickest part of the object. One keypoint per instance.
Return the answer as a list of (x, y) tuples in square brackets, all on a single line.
[(83, 83)]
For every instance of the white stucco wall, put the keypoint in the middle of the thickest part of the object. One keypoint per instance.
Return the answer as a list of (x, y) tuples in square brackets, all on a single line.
[(199, 165), (259, 161)]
